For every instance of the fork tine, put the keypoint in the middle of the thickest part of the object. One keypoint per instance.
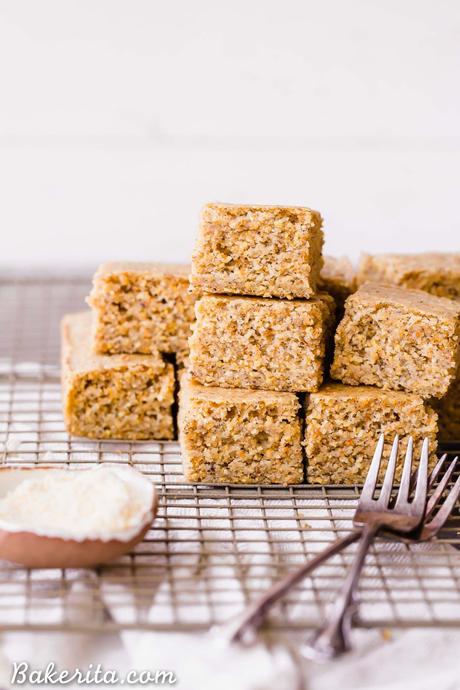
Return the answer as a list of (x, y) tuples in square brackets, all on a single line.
[(433, 475), (404, 485), (436, 470), (433, 501), (373, 474), (422, 479), (387, 486), (447, 507)]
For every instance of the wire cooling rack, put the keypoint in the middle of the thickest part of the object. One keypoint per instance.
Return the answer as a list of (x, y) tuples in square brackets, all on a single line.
[(212, 550)]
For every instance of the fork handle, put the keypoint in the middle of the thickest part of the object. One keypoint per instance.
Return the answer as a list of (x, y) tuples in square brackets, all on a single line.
[(333, 639), (247, 625)]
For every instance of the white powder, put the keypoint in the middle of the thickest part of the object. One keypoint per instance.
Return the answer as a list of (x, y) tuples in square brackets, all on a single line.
[(103, 503)]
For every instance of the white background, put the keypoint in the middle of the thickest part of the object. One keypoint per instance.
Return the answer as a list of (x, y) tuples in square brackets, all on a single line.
[(120, 118)]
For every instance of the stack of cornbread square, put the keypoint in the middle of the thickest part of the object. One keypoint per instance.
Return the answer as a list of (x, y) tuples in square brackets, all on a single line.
[(439, 274), (396, 349), (260, 337), (118, 360), (253, 404), (260, 340)]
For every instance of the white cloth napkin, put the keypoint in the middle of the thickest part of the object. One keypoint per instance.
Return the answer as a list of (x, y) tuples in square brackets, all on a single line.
[(410, 660)]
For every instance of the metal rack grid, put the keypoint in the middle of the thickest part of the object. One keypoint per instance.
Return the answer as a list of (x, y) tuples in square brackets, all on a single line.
[(212, 550)]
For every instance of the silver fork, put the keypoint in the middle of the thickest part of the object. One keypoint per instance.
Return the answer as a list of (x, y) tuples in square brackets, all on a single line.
[(373, 515), (244, 628)]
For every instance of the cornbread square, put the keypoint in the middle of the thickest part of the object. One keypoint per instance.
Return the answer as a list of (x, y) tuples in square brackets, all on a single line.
[(436, 272), (141, 308), (398, 339), (252, 342), (448, 409), (343, 425), (338, 278), (119, 397), (239, 437), (266, 251)]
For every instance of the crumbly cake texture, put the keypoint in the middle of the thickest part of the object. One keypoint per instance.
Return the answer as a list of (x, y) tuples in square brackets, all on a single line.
[(448, 409), (257, 343), (141, 307), (119, 396), (398, 339), (239, 437), (266, 251), (437, 272), (343, 424), (338, 278)]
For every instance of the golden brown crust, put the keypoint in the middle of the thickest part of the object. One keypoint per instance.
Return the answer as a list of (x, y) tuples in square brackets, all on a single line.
[(417, 301), (150, 268), (297, 213), (434, 272)]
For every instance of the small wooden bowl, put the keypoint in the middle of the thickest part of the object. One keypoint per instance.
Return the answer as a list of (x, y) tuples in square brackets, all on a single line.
[(36, 550)]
